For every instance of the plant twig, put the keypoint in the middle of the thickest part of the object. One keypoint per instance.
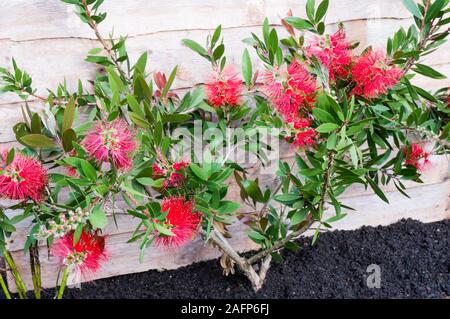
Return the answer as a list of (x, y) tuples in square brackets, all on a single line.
[(279, 244), (103, 42)]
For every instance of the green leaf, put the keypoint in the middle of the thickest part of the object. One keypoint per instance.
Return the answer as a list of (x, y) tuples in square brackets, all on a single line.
[(7, 227), (138, 120), (256, 237), (175, 118), (310, 7), (77, 233), (147, 181), (141, 63), (323, 116), (316, 234), (10, 156), (276, 257), (37, 141), (163, 230), (228, 207), (115, 82), (287, 198), (89, 170), (252, 189), (412, 7), (216, 35), (327, 128), (298, 23), (36, 124), (69, 114), (377, 190), (199, 172), (435, 9), (137, 214), (195, 47), (95, 51), (134, 105), (425, 94), (169, 82), (428, 71), (218, 52), (97, 217), (298, 217), (321, 10), (335, 218), (247, 71), (68, 137)]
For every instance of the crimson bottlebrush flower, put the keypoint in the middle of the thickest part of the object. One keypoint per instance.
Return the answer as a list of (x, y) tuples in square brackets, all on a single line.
[(111, 142), (224, 89), (182, 220), (416, 156), (85, 257), (302, 123), (334, 53), (180, 165), (305, 138), (158, 171), (292, 90), (24, 178), (372, 75), (174, 180)]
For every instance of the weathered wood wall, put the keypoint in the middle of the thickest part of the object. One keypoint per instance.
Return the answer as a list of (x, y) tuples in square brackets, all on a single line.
[(49, 41)]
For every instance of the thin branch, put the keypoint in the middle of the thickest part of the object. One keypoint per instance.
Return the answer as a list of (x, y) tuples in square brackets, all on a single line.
[(279, 244), (93, 25)]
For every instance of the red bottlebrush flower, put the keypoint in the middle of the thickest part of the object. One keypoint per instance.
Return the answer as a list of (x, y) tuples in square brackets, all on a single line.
[(180, 165), (158, 171), (292, 91), (334, 53), (224, 89), (416, 156), (111, 141), (305, 138), (24, 178), (85, 257), (302, 123), (182, 220), (372, 75), (174, 180)]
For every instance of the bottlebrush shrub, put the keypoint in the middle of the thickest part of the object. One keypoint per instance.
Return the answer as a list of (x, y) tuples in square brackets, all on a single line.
[(352, 116)]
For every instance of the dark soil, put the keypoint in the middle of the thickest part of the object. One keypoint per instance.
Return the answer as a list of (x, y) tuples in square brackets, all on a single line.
[(414, 259)]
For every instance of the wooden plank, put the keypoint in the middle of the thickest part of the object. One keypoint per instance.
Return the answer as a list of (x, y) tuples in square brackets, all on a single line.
[(437, 173), (124, 258), (42, 19), (429, 203), (50, 61)]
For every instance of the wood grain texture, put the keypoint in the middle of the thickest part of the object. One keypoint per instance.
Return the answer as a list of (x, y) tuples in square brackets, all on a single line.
[(48, 40), (30, 20), (429, 203)]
